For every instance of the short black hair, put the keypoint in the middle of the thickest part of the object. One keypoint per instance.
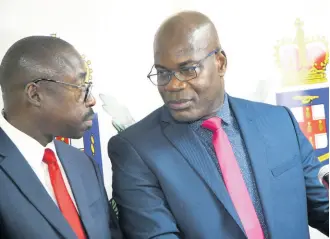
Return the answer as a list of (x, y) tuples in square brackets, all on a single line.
[(33, 57)]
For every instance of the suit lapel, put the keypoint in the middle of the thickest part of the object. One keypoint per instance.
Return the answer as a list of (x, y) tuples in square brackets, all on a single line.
[(70, 161), (18, 169), (188, 144), (249, 124)]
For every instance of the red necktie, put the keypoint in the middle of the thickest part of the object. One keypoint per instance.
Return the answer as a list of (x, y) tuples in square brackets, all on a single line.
[(233, 180), (61, 194)]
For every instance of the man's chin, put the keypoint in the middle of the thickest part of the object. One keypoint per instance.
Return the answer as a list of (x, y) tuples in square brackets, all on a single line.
[(183, 115), (78, 135)]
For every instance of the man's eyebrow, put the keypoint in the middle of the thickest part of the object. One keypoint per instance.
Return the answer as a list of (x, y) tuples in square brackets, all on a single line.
[(182, 64), (160, 66), (188, 62)]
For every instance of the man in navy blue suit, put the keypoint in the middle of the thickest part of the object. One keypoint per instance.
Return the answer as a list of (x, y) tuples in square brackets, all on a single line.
[(48, 189), (208, 165)]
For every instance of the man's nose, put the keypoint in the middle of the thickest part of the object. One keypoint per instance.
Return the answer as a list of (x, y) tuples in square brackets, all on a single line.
[(175, 84), (90, 101)]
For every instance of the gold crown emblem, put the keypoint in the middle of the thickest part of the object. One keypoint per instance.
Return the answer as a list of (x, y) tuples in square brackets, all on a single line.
[(302, 60)]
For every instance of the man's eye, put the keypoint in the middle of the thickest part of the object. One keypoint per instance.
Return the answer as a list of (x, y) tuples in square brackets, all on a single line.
[(188, 71)]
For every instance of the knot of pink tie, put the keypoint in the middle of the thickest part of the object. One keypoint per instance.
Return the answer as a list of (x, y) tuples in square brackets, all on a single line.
[(212, 124)]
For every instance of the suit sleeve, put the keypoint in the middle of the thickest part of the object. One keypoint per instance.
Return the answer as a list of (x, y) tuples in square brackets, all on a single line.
[(143, 211), (113, 220), (317, 195)]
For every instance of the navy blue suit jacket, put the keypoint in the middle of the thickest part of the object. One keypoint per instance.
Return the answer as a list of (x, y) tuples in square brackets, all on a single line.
[(167, 186), (26, 209)]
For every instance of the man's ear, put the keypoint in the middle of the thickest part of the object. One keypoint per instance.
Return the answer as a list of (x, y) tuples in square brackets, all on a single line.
[(221, 63), (32, 92)]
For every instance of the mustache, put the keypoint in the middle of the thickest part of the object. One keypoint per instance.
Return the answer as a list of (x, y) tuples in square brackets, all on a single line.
[(89, 115)]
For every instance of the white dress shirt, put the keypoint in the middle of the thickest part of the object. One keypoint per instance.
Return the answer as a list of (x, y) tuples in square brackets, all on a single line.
[(33, 153)]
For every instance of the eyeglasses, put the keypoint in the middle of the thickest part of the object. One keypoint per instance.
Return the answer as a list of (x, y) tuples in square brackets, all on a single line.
[(87, 87), (161, 77)]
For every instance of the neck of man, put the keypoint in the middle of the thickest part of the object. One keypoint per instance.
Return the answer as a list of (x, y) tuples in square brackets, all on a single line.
[(216, 107), (29, 127), (213, 112)]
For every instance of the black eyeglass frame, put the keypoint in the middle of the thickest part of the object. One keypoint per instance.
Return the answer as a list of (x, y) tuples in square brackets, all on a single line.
[(171, 72), (87, 87)]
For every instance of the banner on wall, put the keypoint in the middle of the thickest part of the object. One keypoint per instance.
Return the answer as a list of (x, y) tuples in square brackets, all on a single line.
[(302, 62), (311, 109), (92, 143)]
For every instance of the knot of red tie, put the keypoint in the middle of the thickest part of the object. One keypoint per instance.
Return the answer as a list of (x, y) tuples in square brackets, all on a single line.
[(212, 124), (49, 157)]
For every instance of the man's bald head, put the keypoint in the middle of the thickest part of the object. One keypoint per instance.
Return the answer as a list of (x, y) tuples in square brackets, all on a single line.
[(36, 57), (186, 32)]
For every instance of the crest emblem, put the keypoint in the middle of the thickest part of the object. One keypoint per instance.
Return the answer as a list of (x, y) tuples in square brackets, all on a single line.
[(310, 108), (89, 70), (311, 119), (302, 60)]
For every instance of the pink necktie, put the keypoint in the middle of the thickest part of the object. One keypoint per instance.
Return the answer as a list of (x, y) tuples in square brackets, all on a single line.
[(233, 179)]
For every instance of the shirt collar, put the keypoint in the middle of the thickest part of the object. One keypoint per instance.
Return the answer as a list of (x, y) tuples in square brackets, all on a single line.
[(31, 149)]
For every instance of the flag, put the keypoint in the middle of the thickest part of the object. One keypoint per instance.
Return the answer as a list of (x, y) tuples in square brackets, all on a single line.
[(92, 144)]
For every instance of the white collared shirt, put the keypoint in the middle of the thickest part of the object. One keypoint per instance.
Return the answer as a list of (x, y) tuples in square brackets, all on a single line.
[(33, 153)]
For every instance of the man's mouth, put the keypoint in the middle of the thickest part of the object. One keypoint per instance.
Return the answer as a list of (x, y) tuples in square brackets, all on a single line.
[(179, 104), (89, 116)]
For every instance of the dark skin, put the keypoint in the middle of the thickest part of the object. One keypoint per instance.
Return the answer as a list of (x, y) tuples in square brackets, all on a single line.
[(182, 41), (46, 109)]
